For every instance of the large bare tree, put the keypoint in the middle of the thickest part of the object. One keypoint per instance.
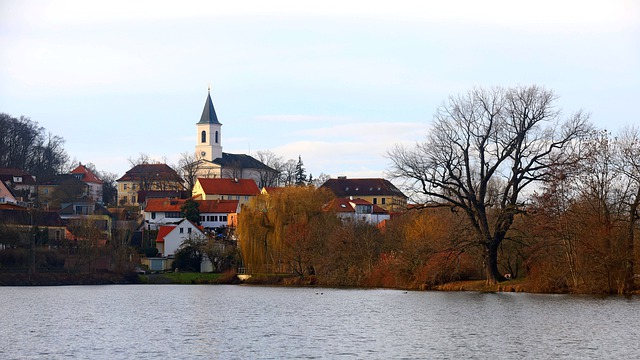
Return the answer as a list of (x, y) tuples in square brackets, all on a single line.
[(485, 148)]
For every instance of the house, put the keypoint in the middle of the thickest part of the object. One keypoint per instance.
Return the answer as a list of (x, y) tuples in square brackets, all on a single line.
[(156, 177), (170, 237), (59, 189), (94, 183), (47, 226), (242, 190), (158, 212), (6, 196), (377, 191), (217, 213), (214, 163), (21, 183), (358, 210), (87, 220)]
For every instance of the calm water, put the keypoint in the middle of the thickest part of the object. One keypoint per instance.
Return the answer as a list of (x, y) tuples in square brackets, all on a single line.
[(243, 322)]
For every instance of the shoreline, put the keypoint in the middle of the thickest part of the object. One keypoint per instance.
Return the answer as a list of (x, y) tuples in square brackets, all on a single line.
[(106, 278)]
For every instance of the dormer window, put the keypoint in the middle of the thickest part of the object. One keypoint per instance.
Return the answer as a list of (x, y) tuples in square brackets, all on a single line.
[(17, 179)]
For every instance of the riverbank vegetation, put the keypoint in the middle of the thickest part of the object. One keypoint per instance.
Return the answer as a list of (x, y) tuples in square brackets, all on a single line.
[(504, 187)]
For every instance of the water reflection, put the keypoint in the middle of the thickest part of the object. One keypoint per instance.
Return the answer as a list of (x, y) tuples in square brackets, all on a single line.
[(242, 322)]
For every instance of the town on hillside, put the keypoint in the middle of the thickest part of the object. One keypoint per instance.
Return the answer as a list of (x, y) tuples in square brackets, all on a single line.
[(156, 210), (499, 194)]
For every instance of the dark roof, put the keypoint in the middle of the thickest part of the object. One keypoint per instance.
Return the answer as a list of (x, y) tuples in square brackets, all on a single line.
[(144, 195), (151, 172), (7, 174), (30, 217), (209, 113), (240, 160), (62, 179), (343, 187)]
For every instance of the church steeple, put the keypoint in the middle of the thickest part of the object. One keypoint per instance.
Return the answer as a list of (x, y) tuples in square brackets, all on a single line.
[(209, 113), (209, 138)]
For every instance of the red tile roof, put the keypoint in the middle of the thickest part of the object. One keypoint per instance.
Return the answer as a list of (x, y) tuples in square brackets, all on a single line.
[(163, 231), (218, 206), (344, 205), (157, 205), (87, 175), (219, 186)]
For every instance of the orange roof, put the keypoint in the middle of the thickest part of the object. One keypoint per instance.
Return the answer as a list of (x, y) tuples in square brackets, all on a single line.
[(344, 205), (87, 175), (166, 204), (163, 231), (219, 186), (218, 206)]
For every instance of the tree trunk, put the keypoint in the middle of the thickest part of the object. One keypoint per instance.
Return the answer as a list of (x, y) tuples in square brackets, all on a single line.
[(629, 268), (491, 264)]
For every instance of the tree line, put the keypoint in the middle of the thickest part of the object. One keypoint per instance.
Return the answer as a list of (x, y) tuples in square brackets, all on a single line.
[(504, 186), (28, 146)]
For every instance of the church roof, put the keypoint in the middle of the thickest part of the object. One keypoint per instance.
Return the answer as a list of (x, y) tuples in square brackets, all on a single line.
[(242, 161), (209, 113)]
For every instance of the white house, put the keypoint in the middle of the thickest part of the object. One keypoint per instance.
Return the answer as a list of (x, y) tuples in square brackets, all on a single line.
[(170, 237), (160, 212), (358, 210), (215, 213)]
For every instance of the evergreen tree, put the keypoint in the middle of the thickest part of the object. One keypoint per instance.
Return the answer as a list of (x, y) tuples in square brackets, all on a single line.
[(301, 175), (190, 211)]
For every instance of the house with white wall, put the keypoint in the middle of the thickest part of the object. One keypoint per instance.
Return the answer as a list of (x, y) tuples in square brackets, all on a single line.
[(170, 237), (358, 210)]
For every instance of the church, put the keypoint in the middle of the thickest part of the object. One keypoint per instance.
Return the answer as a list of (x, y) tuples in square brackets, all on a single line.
[(214, 163)]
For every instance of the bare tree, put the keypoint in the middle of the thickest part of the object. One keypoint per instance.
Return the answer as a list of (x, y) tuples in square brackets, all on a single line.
[(485, 148), (269, 176), (188, 168), (288, 173), (628, 162)]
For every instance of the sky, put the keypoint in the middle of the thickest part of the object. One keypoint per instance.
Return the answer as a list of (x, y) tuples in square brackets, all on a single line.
[(338, 83)]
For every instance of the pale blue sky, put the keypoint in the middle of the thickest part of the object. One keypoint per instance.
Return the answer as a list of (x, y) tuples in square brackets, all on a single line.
[(337, 82)]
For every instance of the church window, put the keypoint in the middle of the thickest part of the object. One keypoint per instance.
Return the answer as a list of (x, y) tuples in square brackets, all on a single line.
[(203, 136), (216, 137)]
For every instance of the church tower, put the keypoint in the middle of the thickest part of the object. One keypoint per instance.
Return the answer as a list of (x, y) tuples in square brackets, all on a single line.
[(209, 138)]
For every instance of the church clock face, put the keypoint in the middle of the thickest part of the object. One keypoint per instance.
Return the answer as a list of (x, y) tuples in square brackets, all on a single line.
[(202, 153)]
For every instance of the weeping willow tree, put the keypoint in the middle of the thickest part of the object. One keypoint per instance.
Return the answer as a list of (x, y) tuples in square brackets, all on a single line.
[(263, 225)]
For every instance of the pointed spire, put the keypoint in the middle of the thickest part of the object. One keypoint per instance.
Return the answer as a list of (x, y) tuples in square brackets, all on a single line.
[(209, 113)]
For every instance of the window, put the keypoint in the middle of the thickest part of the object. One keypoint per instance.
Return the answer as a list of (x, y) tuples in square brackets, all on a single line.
[(216, 137), (181, 230), (384, 201), (153, 215), (215, 217), (133, 187), (133, 199), (223, 218), (189, 230), (172, 214), (246, 198), (46, 190), (124, 186), (203, 136), (203, 218), (375, 201)]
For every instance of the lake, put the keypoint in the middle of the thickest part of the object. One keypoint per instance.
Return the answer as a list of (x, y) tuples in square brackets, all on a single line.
[(254, 322)]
